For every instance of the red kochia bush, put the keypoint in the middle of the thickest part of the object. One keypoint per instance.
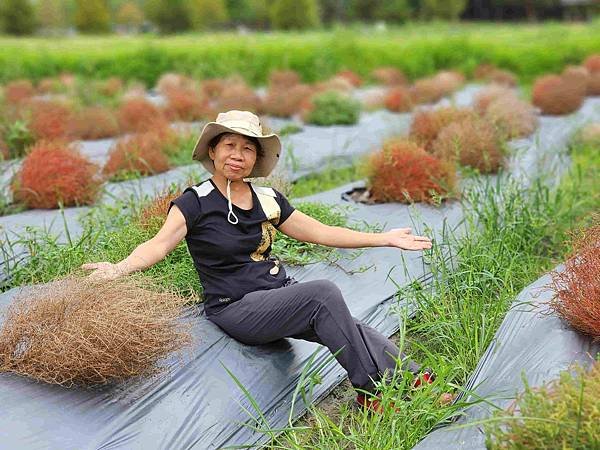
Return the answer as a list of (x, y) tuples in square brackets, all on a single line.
[(95, 122), (577, 288), (427, 124), (139, 153), (54, 174), (487, 95), (503, 77), (50, 120), (170, 81), (212, 87), (556, 95), (283, 79), (398, 99), (18, 90), (390, 76), (471, 142), (592, 63), (186, 104), (238, 95), (286, 102), (578, 76), (512, 117), (138, 115), (427, 90), (404, 172), (593, 86), (111, 86), (350, 76)]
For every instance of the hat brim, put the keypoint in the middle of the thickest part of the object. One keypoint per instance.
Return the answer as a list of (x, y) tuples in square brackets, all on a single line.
[(270, 144)]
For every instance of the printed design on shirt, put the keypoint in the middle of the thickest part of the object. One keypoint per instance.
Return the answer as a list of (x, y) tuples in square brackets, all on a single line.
[(266, 240), (266, 198)]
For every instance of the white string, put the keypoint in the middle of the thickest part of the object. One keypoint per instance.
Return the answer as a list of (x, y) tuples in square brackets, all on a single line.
[(229, 204)]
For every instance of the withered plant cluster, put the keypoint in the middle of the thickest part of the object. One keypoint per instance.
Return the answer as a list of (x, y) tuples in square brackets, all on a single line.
[(81, 332)]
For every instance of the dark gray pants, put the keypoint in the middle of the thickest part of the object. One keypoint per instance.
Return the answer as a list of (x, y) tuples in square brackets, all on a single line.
[(314, 311)]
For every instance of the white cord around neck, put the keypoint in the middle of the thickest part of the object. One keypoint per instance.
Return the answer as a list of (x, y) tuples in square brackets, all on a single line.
[(230, 205)]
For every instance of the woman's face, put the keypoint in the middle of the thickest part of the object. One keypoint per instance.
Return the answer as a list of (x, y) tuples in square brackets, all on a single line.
[(234, 156)]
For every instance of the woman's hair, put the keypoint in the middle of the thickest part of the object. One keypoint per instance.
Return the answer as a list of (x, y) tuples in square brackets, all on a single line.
[(259, 150)]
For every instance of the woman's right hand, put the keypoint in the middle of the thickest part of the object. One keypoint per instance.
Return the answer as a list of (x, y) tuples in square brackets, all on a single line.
[(103, 271)]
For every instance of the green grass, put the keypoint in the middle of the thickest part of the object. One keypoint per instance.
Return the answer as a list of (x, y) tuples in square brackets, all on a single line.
[(418, 49), (510, 236), (290, 128), (329, 178)]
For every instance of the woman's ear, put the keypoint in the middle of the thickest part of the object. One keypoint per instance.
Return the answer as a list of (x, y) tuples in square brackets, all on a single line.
[(211, 153)]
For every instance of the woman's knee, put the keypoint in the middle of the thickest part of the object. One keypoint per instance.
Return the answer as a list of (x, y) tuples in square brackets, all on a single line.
[(326, 292)]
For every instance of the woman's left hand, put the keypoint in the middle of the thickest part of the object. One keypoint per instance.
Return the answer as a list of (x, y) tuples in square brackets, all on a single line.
[(404, 239)]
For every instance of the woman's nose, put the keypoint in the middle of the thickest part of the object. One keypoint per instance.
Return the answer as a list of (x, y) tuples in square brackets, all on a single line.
[(237, 153)]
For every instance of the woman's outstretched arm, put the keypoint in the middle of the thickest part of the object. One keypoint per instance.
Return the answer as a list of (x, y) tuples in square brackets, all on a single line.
[(304, 228), (146, 254)]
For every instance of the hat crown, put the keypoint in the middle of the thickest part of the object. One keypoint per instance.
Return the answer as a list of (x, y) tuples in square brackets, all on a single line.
[(242, 120)]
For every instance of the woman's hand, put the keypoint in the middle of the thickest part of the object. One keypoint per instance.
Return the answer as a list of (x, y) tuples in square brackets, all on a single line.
[(103, 271), (404, 239)]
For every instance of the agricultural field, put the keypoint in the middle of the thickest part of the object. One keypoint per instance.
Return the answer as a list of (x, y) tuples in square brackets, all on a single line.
[(475, 135)]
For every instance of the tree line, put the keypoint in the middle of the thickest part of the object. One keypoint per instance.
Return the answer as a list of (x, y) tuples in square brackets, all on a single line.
[(22, 17)]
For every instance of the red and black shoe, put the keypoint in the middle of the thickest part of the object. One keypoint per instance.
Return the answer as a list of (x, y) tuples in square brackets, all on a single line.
[(370, 402), (427, 376)]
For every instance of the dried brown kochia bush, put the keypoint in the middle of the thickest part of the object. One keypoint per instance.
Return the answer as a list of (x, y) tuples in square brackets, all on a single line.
[(512, 117), (488, 94), (577, 287), (79, 332), (428, 123), (472, 142)]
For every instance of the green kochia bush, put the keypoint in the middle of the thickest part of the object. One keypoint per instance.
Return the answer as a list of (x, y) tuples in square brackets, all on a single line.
[(563, 414), (333, 108)]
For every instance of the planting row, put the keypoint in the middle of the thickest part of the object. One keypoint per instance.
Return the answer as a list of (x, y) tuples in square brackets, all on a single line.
[(67, 108), (155, 151), (534, 351)]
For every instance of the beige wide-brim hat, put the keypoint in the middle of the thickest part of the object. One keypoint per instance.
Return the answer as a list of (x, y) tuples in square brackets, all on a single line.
[(244, 123)]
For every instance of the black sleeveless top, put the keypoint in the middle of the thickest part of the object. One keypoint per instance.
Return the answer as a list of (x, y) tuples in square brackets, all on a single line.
[(231, 260)]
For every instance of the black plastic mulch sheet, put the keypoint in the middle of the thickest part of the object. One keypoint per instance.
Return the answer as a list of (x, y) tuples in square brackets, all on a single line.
[(530, 343), (198, 404)]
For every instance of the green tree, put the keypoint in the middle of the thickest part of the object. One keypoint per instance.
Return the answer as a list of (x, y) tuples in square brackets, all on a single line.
[(207, 13), (365, 10), (92, 16), (532, 7), (259, 14), (170, 16), (294, 14), (335, 10), (393, 11), (130, 16), (442, 9), (51, 14), (17, 17)]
